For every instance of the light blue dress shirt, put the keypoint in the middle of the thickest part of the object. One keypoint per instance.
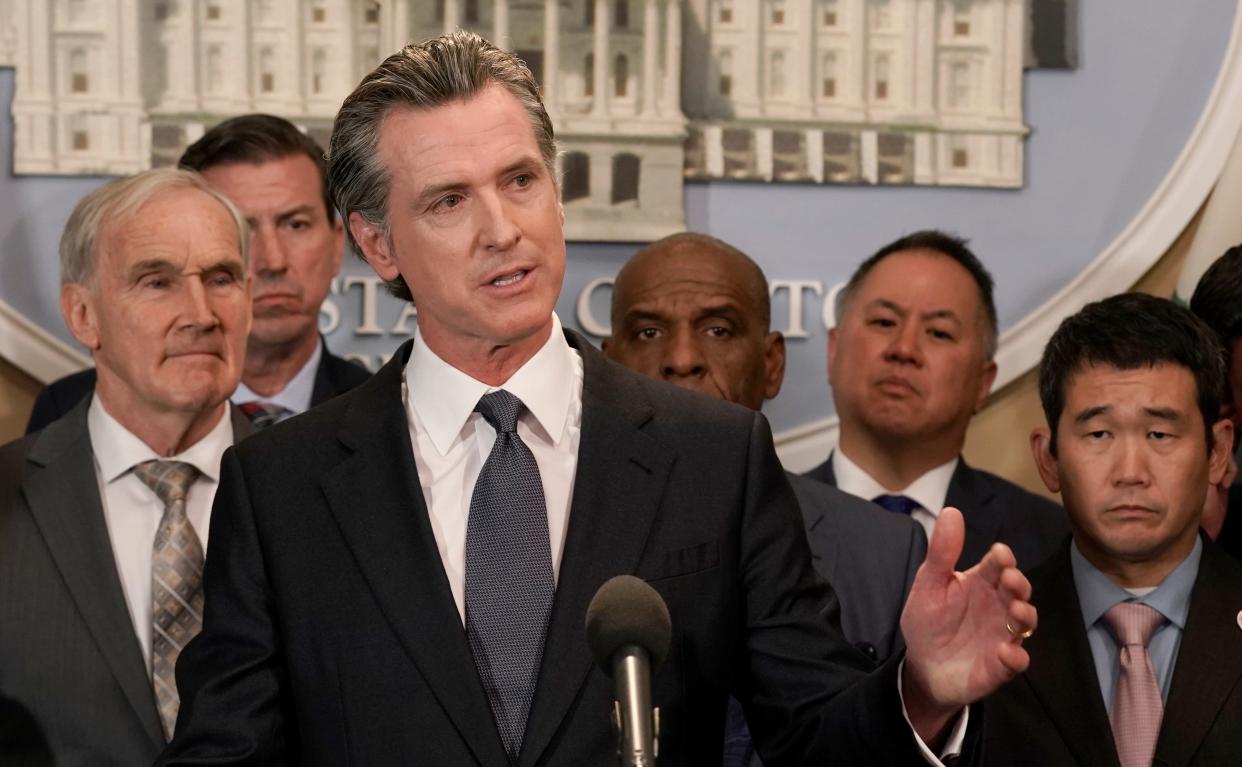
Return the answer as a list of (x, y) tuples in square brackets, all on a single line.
[(296, 396), (1097, 593)]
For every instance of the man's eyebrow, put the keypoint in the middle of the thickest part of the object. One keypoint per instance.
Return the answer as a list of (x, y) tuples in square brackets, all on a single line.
[(529, 164), (1164, 413), (642, 315), (725, 309), (884, 303), (301, 210), (1091, 412), (937, 314), (943, 314), (148, 265)]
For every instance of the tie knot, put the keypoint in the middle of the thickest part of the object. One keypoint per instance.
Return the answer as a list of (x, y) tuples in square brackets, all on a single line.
[(263, 414), (1133, 623), (899, 504), (169, 479), (501, 409)]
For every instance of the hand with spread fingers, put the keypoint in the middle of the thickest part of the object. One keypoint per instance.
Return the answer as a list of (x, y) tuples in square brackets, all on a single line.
[(963, 630)]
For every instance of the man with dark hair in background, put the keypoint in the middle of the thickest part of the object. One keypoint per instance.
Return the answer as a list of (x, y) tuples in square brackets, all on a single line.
[(1138, 657), (276, 175), (1217, 301), (910, 362), (413, 590)]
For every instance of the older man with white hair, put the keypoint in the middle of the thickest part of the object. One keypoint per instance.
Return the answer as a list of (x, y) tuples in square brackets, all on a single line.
[(103, 514)]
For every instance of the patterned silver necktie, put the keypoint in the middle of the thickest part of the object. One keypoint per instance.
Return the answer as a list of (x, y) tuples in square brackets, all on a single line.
[(176, 581), (509, 582)]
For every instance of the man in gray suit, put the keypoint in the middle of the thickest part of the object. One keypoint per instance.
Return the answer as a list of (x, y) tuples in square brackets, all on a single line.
[(694, 311), (103, 514)]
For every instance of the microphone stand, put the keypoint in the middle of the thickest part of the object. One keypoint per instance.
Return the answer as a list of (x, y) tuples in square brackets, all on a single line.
[(637, 722)]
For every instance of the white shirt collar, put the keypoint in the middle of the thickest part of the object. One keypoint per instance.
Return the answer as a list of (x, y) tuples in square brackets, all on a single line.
[(117, 449), (444, 397), (929, 490), (296, 396)]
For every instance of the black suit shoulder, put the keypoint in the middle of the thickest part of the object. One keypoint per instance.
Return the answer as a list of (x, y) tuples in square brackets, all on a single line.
[(59, 397), (996, 509), (336, 375)]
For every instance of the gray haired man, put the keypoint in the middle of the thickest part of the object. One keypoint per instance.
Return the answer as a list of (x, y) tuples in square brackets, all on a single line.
[(104, 513)]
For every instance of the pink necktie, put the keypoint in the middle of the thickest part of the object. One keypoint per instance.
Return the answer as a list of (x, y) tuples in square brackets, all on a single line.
[(1137, 708)]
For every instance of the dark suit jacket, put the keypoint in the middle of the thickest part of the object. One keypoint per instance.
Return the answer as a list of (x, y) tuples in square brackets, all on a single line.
[(1230, 538), (995, 509), (868, 555), (1053, 713), (331, 636), (334, 376), (70, 663)]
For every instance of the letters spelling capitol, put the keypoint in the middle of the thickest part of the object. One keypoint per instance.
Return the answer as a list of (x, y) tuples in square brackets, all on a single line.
[(357, 302)]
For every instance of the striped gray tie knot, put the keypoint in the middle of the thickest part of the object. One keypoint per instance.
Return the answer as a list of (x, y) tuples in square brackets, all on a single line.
[(176, 581)]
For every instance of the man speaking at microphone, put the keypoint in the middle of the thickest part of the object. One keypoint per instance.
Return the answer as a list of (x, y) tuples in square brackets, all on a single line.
[(401, 576)]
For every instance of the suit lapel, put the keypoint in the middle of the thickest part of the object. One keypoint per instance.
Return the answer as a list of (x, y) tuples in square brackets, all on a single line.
[(324, 388), (617, 490), (63, 496), (1209, 659), (1062, 673), (377, 501), (822, 530)]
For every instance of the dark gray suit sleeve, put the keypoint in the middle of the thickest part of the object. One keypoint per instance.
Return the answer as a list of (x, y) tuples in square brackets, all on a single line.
[(232, 679), (806, 696)]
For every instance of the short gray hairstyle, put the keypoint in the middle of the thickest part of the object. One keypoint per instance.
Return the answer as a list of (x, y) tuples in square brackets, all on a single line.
[(439, 71), (114, 203)]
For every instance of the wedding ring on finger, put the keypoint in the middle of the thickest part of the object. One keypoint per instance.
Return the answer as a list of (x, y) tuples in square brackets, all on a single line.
[(1016, 634)]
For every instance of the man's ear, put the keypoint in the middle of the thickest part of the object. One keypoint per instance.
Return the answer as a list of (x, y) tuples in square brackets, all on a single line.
[(77, 306), (338, 244), (985, 384), (1045, 461), (373, 242), (1222, 450), (832, 351), (773, 364)]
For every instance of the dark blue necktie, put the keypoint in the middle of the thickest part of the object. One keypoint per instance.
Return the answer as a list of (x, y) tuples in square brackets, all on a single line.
[(899, 504), (509, 583)]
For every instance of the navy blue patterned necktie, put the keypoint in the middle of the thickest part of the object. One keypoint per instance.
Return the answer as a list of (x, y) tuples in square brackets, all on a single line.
[(899, 504), (509, 582)]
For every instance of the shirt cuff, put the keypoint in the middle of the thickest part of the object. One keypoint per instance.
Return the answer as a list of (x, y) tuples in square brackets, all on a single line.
[(953, 747)]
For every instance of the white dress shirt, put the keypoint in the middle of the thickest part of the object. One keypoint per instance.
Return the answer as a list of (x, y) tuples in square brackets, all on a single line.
[(928, 491), (451, 441), (133, 511), (296, 396)]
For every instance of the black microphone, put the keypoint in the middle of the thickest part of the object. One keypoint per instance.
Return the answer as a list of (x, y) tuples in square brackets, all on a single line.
[(628, 629)]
